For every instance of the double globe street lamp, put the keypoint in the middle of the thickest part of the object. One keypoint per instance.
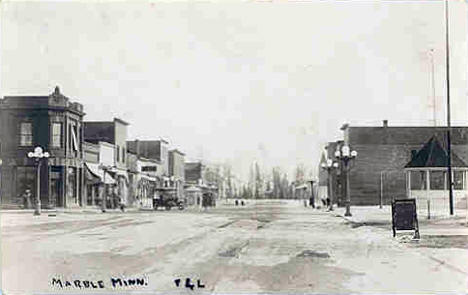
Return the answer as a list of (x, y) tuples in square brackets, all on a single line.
[(329, 166), (346, 155), (38, 155)]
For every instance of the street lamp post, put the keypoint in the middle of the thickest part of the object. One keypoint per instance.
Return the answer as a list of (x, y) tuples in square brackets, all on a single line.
[(329, 166), (345, 155), (38, 155)]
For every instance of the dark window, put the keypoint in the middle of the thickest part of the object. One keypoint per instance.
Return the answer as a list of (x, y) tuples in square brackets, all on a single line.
[(117, 152), (418, 180), (25, 179), (56, 139), (437, 180), (123, 155), (26, 134), (149, 168), (71, 185), (74, 138)]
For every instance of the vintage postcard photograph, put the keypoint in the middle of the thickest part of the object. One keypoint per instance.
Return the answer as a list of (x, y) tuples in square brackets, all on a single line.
[(234, 147)]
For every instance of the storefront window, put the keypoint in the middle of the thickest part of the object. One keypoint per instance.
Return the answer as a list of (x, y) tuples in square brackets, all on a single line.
[(71, 185), (25, 179), (89, 194)]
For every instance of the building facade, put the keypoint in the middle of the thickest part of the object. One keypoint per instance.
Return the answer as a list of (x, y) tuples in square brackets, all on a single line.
[(114, 133), (200, 185), (99, 182), (156, 179), (55, 124), (177, 171), (377, 174)]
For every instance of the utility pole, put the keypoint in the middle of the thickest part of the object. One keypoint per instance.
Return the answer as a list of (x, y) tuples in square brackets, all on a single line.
[(434, 108), (449, 147)]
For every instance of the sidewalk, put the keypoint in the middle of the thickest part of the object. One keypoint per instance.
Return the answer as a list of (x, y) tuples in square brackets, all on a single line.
[(65, 210), (80, 210), (382, 217)]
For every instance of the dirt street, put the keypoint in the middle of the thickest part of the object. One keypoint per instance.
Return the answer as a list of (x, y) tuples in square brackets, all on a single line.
[(267, 246)]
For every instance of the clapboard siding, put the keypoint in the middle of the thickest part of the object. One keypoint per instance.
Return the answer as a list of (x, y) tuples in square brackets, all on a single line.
[(386, 150)]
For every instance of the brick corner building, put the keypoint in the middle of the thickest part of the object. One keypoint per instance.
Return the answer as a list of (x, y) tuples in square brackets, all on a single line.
[(54, 123)]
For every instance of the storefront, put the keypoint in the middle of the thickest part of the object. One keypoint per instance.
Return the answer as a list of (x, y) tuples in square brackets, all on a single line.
[(97, 182)]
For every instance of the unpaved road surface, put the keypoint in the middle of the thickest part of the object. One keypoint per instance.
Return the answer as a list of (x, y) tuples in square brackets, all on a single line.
[(267, 246)]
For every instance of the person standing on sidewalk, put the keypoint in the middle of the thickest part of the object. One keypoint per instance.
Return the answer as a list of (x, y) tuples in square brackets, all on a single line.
[(27, 199), (121, 204)]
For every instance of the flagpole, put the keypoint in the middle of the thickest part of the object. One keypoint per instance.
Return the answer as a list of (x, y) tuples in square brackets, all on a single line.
[(449, 144)]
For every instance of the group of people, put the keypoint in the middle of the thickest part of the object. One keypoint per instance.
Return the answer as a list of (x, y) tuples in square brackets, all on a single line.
[(113, 201), (324, 200), (241, 202)]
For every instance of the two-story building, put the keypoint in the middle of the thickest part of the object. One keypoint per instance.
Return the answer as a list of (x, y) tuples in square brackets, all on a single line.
[(177, 172), (113, 133), (200, 183), (55, 124), (98, 180), (157, 153)]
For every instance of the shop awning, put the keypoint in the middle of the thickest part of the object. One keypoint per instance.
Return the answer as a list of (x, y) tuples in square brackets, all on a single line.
[(121, 173), (149, 178), (99, 173), (192, 189), (303, 186)]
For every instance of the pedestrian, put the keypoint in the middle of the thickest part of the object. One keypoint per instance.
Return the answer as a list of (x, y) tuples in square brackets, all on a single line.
[(27, 199), (204, 202), (242, 203), (121, 204), (324, 203), (311, 202), (237, 202), (103, 202)]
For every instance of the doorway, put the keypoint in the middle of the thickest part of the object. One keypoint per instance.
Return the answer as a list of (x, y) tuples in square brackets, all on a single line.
[(56, 199)]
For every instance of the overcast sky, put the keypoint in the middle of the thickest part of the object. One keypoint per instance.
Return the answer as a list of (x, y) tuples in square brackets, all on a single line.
[(239, 81)]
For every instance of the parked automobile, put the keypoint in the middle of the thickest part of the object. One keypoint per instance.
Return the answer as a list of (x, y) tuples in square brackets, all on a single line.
[(168, 203)]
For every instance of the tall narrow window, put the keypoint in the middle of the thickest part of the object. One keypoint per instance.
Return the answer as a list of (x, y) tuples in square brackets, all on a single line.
[(73, 135), (123, 155), (117, 151), (56, 135), (26, 135)]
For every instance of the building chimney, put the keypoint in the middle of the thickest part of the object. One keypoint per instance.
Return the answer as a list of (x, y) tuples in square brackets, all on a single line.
[(385, 123)]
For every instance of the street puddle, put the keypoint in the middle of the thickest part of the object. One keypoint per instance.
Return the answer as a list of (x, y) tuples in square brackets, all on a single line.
[(354, 224), (226, 224), (313, 254), (234, 251)]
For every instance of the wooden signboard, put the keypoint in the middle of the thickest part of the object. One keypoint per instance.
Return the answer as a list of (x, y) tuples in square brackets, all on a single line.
[(404, 216)]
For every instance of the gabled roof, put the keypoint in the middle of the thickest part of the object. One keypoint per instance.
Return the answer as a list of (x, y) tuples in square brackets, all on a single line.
[(432, 154)]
